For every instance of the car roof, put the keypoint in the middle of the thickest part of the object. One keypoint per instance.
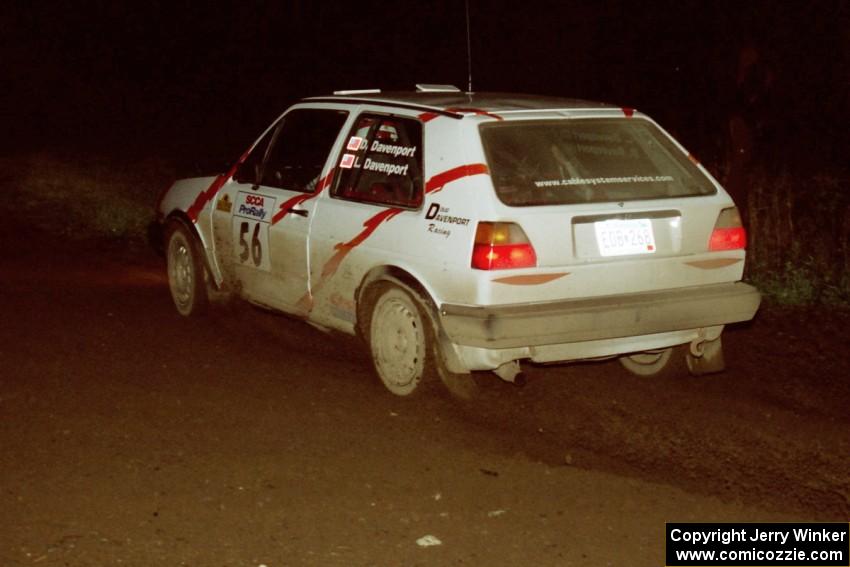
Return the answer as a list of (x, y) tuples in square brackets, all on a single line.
[(459, 103)]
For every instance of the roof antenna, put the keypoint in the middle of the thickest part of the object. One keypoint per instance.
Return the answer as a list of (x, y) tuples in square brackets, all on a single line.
[(468, 48)]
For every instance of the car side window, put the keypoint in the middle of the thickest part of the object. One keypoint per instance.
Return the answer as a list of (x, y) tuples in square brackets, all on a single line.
[(250, 169), (300, 149), (382, 162)]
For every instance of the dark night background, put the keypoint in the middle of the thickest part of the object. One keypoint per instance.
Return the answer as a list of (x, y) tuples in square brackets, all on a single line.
[(131, 434), (197, 81)]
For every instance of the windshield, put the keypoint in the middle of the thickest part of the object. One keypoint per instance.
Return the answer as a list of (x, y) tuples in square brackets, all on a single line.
[(555, 162)]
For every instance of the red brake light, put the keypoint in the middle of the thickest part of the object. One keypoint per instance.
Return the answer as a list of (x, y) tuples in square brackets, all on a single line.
[(728, 239), (729, 232), (502, 245)]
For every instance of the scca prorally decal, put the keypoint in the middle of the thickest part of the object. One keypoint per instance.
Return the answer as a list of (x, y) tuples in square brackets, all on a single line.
[(205, 197), (290, 204), (440, 180), (253, 206), (342, 250)]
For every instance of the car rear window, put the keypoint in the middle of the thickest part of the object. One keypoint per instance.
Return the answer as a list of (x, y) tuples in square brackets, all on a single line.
[(555, 162)]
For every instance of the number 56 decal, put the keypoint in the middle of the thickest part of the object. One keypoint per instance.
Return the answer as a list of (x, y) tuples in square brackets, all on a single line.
[(251, 216), (251, 243)]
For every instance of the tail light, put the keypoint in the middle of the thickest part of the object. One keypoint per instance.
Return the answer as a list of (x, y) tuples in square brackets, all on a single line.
[(729, 232), (500, 246)]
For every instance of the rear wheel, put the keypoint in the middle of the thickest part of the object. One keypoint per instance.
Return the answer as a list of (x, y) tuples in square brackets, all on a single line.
[(185, 271), (405, 351), (398, 341)]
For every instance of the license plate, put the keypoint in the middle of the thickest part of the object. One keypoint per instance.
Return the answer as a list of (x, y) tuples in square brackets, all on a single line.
[(625, 237)]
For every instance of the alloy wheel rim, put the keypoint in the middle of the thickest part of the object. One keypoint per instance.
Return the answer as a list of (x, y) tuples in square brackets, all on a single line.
[(181, 272), (399, 339)]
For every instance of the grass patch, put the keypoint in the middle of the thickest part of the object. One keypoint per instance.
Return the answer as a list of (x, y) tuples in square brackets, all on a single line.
[(86, 196), (799, 238)]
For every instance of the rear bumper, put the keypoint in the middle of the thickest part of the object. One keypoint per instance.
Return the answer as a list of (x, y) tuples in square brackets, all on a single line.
[(611, 317)]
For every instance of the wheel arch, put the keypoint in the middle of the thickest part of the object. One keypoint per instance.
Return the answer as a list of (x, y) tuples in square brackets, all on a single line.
[(365, 296), (178, 216), (393, 274)]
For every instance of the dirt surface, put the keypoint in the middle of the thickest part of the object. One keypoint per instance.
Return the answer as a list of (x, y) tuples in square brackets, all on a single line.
[(131, 436)]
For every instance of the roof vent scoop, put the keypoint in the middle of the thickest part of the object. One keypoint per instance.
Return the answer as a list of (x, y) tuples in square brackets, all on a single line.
[(423, 88)]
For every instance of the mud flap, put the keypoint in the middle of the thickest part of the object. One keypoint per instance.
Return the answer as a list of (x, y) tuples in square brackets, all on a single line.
[(710, 361)]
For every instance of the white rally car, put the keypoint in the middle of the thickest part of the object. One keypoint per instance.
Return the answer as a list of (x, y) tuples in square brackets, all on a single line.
[(460, 232)]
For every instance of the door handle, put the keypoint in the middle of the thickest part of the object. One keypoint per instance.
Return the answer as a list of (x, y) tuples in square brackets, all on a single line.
[(299, 212)]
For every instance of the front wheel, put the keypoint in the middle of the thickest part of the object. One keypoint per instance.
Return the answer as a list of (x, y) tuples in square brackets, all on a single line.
[(185, 271)]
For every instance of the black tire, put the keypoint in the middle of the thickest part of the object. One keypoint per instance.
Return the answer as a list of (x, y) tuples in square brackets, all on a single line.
[(466, 387), (401, 335), (398, 339), (186, 270)]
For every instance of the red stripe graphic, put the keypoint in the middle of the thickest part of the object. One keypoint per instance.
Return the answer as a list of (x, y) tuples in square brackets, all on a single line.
[(305, 304), (628, 112), (428, 116), (440, 180), (298, 199), (205, 197), (477, 111), (433, 185), (342, 250)]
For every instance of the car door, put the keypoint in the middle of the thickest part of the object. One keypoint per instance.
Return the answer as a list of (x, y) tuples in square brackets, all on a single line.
[(271, 201), (365, 222)]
